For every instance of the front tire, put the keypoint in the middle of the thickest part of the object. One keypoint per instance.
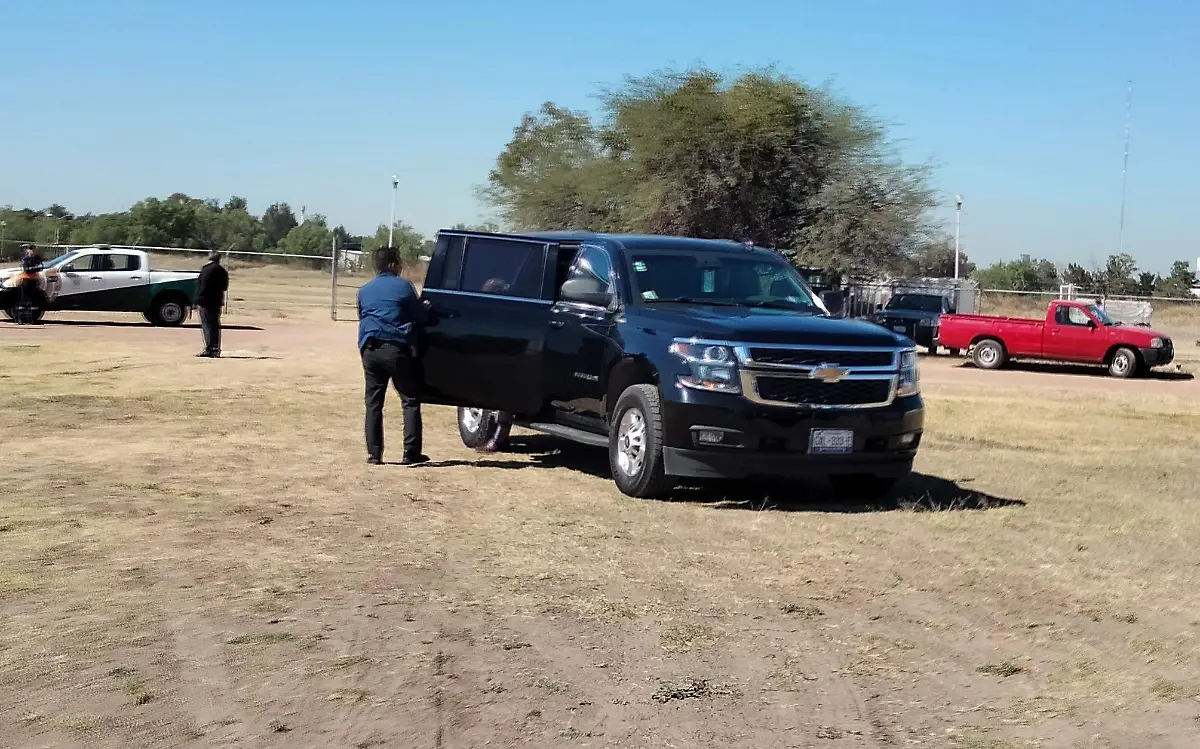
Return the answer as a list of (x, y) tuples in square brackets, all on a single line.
[(1124, 363), (168, 312), (483, 430), (990, 354), (635, 443)]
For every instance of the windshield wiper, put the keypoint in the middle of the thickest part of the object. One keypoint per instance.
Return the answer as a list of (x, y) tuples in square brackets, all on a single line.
[(775, 304), (693, 300)]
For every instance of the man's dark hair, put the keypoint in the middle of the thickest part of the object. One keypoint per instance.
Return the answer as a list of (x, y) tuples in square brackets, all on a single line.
[(386, 258)]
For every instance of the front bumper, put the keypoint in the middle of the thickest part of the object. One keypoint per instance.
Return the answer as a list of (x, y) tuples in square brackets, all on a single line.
[(1157, 357), (767, 441)]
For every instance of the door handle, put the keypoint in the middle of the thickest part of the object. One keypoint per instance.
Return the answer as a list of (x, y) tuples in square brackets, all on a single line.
[(557, 323), (136, 278), (97, 278)]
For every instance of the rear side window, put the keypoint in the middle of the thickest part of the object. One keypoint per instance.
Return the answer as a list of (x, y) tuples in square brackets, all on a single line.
[(503, 267), (446, 268), (122, 262)]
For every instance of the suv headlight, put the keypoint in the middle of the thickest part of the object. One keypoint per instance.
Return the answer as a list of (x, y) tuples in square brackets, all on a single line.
[(910, 374), (1156, 343), (713, 367), (925, 322)]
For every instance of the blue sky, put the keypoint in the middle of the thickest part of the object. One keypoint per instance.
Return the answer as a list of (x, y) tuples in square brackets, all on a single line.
[(1019, 104)]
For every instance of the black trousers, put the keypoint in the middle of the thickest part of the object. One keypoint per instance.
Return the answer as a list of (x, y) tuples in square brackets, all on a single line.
[(389, 363), (210, 326)]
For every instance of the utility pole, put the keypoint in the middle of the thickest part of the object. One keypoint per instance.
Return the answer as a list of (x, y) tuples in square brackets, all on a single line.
[(958, 201), (392, 221), (1125, 165)]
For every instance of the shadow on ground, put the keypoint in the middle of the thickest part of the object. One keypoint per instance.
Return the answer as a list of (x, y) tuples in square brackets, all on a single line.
[(133, 324), (917, 493), (1084, 370)]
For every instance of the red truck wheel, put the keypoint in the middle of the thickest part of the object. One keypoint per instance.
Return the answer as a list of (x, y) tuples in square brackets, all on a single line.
[(989, 354), (1124, 363)]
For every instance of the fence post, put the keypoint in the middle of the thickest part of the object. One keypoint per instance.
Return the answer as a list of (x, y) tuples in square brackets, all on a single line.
[(333, 279)]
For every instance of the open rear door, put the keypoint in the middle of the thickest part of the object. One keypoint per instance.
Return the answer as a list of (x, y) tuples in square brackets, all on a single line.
[(490, 309)]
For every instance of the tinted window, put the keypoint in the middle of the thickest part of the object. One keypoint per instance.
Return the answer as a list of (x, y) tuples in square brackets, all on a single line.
[(719, 279), (593, 265), (503, 267), (922, 302), (451, 249), (118, 262)]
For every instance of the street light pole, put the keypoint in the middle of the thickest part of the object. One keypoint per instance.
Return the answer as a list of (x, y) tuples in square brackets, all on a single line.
[(958, 201), (392, 222), (3, 224)]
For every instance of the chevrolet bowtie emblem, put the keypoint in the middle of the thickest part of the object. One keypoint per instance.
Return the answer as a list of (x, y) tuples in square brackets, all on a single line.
[(829, 373)]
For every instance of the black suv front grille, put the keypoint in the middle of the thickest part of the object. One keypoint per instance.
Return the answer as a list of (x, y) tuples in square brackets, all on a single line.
[(817, 357), (801, 391)]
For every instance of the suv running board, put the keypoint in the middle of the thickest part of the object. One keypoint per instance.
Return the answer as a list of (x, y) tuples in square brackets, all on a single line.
[(571, 433)]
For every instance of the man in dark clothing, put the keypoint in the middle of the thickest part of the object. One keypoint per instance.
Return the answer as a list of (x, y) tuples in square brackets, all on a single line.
[(391, 325), (210, 298)]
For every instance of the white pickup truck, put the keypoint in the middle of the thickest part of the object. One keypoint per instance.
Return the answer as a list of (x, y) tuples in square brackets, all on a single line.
[(102, 279)]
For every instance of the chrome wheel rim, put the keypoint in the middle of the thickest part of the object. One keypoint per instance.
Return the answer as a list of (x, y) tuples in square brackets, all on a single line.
[(170, 312), (1121, 362), (471, 419), (987, 355), (631, 442)]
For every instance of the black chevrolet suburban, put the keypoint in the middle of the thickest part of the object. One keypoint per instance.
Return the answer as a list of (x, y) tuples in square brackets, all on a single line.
[(685, 358)]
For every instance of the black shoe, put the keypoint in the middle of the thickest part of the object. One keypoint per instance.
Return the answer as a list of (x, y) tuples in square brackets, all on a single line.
[(372, 460), (204, 355), (414, 460)]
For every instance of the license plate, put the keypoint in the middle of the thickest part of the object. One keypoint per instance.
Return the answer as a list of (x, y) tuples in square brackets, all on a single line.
[(827, 441)]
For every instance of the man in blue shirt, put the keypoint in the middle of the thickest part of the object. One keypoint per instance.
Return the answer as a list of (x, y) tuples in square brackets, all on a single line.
[(391, 325)]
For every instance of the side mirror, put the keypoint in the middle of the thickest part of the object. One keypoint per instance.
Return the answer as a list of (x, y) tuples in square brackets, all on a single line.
[(67, 269), (835, 302), (585, 291), (1091, 323)]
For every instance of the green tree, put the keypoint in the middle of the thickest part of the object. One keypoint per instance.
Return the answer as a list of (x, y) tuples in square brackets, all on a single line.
[(1119, 275), (1025, 274), (1179, 282), (312, 237), (1079, 276), (935, 259), (407, 240), (761, 157), (277, 222)]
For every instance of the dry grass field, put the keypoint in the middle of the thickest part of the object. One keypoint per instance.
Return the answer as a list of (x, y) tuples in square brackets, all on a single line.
[(193, 553)]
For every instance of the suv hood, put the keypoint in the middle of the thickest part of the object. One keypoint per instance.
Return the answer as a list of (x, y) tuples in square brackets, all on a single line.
[(756, 325)]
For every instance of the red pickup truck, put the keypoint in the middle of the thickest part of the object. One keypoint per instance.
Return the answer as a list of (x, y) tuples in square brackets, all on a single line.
[(1072, 332)]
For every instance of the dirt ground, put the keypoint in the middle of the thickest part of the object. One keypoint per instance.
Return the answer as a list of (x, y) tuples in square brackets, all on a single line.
[(193, 553)]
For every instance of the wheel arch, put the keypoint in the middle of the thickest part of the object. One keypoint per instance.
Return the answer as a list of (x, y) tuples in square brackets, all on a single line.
[(629, 371)]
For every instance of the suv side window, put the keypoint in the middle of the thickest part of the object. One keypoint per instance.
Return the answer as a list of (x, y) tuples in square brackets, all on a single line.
[(503, 267), (593, 265)]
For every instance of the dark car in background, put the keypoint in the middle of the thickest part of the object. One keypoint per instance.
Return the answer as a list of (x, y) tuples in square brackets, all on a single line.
[(917, 317)]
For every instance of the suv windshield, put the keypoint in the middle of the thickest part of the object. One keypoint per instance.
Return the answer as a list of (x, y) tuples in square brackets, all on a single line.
[(719, 278), (921, 302)]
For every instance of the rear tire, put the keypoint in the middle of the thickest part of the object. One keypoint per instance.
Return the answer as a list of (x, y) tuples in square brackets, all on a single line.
[(861, 486), (635, 444), (483, 430), (168, 312), (1124, 363), (990, 354)]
